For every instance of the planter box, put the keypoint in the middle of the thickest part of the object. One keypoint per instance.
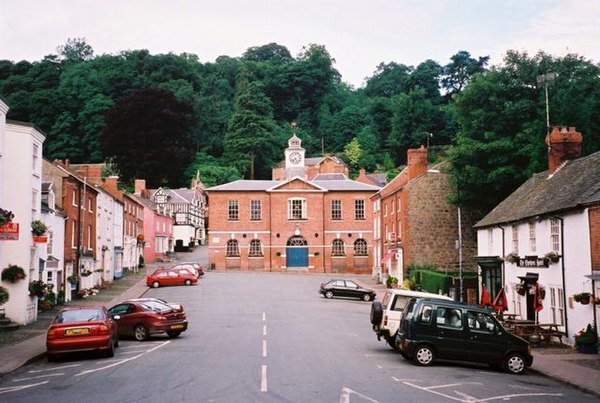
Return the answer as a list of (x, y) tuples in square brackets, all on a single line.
[(40, 239), (588, 348)]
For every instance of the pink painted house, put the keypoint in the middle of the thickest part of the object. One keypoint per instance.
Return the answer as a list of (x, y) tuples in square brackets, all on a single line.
[(158, 232)]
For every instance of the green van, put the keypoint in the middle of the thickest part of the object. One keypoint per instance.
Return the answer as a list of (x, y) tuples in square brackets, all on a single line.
[(432, 329)]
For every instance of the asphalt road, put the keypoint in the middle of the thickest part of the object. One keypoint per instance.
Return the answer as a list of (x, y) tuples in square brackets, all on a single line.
[(268, 337)]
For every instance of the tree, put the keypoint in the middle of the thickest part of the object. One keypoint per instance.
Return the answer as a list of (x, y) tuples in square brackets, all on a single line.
[(147, 134), (76, 50), (212, 171), (353, 153), (272, 52), (251, 139), (459, 72), (388, 80)]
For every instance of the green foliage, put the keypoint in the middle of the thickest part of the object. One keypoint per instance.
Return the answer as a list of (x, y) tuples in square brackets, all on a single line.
[(147, 134), (212, 171), (4, 295), (586, 336), (13, 273)]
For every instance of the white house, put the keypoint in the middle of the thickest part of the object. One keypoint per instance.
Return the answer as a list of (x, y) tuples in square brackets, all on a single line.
[(554, 212), (52, 258), (20, 190)]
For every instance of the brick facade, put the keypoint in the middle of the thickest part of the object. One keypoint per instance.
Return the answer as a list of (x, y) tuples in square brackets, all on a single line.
[(594, 215)]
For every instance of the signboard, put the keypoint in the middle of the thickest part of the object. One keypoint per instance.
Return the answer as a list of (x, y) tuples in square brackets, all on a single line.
[(9, 232), (533, 261)]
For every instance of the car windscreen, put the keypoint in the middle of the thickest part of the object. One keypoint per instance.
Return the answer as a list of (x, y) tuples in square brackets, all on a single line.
[(155, 306), (79, 315)]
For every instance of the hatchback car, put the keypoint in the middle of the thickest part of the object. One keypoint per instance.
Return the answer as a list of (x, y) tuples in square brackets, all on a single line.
[(195, 265), (432, 329), (162, 277), (346, 288), (88, 328), (143, 317)]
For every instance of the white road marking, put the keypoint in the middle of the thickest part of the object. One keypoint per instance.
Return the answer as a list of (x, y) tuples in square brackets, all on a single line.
[(264, 351), (89, 371), (346, 392), (451, 385), (263, 379), (37, 377), (264, 330), (36, 371), (264, 316), (17, 388)]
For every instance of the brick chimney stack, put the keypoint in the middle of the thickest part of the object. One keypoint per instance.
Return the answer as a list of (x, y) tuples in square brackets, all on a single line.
[(110, 183), (140, 186), (417, 162), (563, 145)]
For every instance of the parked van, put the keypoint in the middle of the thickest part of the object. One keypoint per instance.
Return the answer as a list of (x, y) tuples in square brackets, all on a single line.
[(433, 329), (385, 314)]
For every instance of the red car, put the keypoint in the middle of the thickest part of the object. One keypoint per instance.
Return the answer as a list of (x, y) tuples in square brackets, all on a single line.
[(143, 317), (170, 277), (199, 270), (86, 328)]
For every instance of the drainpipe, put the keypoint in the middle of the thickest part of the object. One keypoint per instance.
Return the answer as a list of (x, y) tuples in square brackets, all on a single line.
[(562, 249), (503, 254)]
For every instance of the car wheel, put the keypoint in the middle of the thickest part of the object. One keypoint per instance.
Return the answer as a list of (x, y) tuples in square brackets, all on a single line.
[(187, 282), (329, 294), (424, 355), (111, 350), (140, 332), (366, 297), (173, 334), (376, 313), (155, 284), (515, 364), (51, 357)]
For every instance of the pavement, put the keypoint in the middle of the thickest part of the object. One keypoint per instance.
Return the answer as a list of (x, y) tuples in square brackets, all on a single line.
[(563, 364)]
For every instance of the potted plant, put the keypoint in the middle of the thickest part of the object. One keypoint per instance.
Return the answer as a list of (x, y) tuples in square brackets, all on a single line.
[(13, 273), (38, 289), (6, 216), (4, 295), (38, 228), (586, 340), (85, 272), (583, 298), (512, 257), (74, 279), (552, 256)]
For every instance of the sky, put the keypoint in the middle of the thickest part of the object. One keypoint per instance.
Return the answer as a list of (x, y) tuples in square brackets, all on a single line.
[(358, 34)]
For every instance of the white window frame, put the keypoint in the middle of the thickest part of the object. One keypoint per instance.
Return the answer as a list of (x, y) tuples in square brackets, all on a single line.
[(359, 210), (361, 248), (338, 248), (297, 205), (255, 248), (515, 239), (532, 240), (557, 306), (555, 234), (233, 248)]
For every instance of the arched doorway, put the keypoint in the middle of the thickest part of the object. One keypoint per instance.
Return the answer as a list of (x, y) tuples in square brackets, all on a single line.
[(296, 252)]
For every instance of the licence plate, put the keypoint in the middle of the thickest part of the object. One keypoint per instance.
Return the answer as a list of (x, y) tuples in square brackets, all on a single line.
[(177, 326), (77, 332)]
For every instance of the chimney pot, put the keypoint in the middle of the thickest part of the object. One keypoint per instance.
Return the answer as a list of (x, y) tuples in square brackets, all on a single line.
[(563, 145)]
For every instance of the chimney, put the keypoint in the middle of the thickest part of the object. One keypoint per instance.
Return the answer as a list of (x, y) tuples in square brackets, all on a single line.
[(563, 145), (110, 183), (417, 162), (140, 186)]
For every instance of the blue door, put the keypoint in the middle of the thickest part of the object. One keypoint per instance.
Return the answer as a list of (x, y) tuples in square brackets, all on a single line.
[(296, 252)]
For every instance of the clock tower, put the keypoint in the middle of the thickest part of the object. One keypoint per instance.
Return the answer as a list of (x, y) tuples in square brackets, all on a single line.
[(294, 158)]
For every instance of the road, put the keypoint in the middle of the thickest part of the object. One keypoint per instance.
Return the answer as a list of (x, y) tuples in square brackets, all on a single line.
[(268, 337)]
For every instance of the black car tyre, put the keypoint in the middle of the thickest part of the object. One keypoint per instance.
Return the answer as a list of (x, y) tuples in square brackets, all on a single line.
[(392, 342), (140, 332), (366, 297), (424, 355), (111, 350), (515, 364), (376, 313), (173, 334), (155, 284), (329, 294)]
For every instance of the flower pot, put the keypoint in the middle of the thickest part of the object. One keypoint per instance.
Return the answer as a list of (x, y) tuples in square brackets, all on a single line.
[(587, 348), (584, 301)]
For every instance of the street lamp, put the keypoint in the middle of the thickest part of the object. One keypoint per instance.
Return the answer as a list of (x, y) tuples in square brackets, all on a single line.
[(459, 242), (544, 79)]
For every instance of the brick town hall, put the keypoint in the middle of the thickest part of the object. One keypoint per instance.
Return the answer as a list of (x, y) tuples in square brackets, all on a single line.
[(309, 217)]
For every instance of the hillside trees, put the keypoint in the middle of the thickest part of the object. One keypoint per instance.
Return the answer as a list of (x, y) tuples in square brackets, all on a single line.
[(147, 134)]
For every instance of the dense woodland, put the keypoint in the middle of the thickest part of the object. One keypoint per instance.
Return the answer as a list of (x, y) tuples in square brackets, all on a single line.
[(165, 117)]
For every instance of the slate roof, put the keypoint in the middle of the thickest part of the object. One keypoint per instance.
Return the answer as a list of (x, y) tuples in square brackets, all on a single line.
[(264, 185), (575, 184), (330, 177)]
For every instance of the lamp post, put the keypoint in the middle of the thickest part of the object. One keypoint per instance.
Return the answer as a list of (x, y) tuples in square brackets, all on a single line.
[(544, 79), (459, 241)]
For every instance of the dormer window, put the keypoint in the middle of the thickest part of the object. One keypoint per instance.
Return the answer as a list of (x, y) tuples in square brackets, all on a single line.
[(160, 199)]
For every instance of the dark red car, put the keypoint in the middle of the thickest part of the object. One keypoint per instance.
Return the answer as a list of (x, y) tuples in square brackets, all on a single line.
[(162, 277), (143, 317), (88, 328)]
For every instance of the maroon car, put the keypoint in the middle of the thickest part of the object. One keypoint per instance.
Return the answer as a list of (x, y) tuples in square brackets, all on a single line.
[(143, 317), (88, 328)]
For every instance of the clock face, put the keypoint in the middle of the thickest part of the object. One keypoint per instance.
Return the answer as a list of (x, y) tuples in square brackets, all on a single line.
[(295, 157)]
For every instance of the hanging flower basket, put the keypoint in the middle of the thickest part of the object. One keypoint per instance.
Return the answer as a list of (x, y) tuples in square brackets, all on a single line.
[(6, 216), (4, 295), (521, 289), (512, 258), (38, 228), (73, 279), (13, 273), (586, 340), (583, 298), (552, 256)]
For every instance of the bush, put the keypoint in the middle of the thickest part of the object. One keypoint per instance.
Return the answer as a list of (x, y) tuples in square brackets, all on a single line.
[(586, 336)]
